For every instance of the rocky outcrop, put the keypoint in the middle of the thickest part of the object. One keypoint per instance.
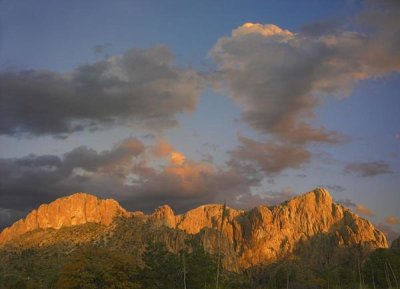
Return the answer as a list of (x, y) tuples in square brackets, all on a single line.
[(265, 234), (261, 235), (77, 209), (166, 215)]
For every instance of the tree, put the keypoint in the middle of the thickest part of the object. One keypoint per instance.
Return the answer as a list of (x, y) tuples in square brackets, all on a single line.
[(162, 268), (382, 268), (200, 269), (98, 268)]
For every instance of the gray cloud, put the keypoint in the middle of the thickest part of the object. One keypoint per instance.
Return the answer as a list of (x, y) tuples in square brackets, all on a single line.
[(390, 233), (280, 77), (359, 208), (368, 169), (335, 188), (269, 198), (140, 87), (271, 157), (130, 172), (347, 203), (101, 48), (8, 216)]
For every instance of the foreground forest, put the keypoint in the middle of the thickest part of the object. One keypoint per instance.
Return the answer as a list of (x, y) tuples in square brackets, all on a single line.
[(151, 264), (307, 242)]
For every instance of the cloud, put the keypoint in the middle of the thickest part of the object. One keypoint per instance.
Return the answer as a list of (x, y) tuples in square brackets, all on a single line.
[(271, 157), (139, 176), (269, 198), (368, 169), (347, 203), (141, 87), (363, 210), (335, 188), (392, 220), (101, 48), (279, 77), (106, 161), (8, 217), (388, 231)]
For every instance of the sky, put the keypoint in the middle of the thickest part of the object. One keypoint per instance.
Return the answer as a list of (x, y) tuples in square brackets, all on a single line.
[(195, 102)]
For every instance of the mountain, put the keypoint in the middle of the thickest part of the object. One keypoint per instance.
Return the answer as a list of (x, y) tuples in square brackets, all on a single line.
[(259, 236), (70, 211)]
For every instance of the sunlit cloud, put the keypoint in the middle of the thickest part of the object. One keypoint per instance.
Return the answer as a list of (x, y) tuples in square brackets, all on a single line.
[(392, 220), (359, 208), (363, 210)]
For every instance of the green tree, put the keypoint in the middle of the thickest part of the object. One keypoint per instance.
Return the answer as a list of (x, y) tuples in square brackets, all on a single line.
[(97, 268), (162, 270), (200, 269), (382, 268)]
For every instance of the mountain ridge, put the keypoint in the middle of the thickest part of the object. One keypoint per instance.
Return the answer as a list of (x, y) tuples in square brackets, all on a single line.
[(260, 235)]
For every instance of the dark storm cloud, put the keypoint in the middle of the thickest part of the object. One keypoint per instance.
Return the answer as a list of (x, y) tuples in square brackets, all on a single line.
[(8, 217), (36, 179), (140, 87), (368, 169)]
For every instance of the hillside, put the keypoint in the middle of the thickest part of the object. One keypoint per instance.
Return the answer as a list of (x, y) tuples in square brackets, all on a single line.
[(309, 230)]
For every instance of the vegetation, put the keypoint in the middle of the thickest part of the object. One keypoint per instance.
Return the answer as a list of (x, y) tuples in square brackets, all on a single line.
[(98, 268), (137, 254)]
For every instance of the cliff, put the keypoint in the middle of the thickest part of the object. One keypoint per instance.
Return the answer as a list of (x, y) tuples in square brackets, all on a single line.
[(261, 235), (77, 209), (265, 234)]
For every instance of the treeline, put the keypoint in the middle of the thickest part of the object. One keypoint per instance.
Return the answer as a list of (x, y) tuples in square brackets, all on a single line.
[(101, 268), (96, 267), (378, 270)]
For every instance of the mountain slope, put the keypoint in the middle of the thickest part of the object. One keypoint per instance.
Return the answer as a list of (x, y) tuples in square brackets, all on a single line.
[(259, 236), (77, 209)]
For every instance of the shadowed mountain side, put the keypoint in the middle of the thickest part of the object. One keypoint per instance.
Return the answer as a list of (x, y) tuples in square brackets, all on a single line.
[(396, 243), (259, 236)]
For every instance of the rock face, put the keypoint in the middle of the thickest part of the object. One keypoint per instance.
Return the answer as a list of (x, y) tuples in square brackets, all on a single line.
[(77, 209), (261, 235), (265, 234)]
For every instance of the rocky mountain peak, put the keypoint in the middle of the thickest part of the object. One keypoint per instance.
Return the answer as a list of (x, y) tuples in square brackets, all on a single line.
[(261, 235), (166, 215), (76, 209)]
